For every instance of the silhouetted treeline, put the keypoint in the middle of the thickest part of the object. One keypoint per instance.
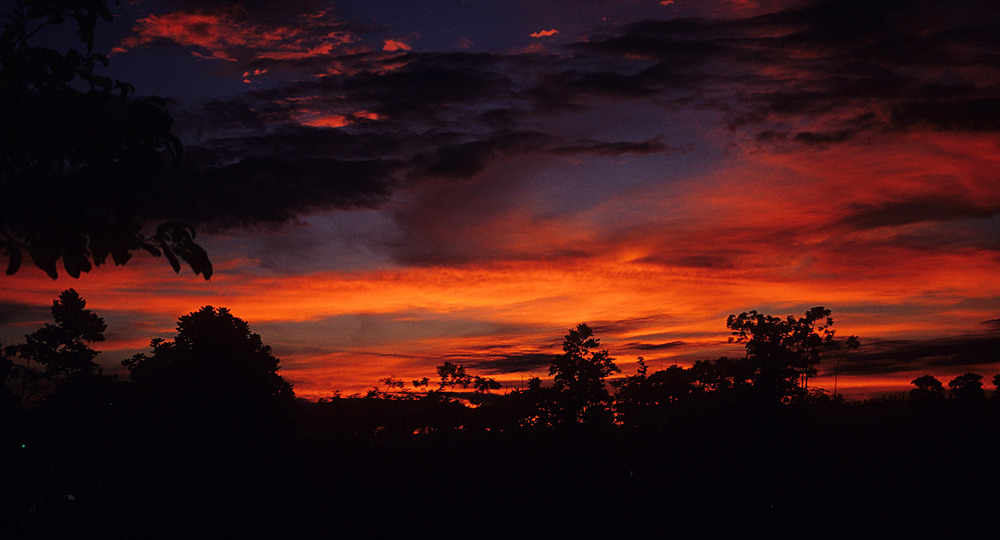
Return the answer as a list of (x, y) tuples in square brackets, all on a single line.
[(205, 439)]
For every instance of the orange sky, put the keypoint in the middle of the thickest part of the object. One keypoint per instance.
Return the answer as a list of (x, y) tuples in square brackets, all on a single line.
[(385, 187), (343, 330)]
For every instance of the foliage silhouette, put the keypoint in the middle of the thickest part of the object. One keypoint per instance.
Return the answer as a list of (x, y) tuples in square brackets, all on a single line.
[(215, 371), (8, 400), (206, 433), (81, 159), (452, 375), (59, 350), (644, 402), (967, 388), (784, 352), (927, 387), (723, 375), (579, 378)]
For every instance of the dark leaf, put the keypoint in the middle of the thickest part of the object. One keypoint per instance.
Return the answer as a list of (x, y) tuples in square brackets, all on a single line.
[(45, 258), (174, 263), (75, 258), (150, 248), (99, 251), (121, 256), (198, 259), (103, 82), (14, 256)]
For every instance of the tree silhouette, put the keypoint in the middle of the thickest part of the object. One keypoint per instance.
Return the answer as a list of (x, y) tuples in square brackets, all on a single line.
[(722, 375), (672, 384), (579, 377), (214, 365), (641, 399), (8, 371), (59, 350), (452, 375), (784, 352), (80, 170), (967, 388), (927, 387)]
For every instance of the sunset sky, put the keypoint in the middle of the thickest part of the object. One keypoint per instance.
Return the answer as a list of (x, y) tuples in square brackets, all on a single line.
[(383, 186)]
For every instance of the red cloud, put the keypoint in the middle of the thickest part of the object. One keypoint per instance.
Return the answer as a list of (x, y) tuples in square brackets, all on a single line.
[(545, 33), (391, 45), (229, 35)]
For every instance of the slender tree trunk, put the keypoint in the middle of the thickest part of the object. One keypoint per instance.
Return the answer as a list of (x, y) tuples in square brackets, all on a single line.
[(24, 379)]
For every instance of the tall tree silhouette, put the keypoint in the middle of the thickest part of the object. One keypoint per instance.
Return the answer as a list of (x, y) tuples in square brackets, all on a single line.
[(579, 377), (56, 352), (82, 161)]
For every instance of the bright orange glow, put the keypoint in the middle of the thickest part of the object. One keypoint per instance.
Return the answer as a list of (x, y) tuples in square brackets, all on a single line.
[(486, 251), (763, 231), (544, 33), (535, 301), (392, 45), (328, 121), (314, 118)]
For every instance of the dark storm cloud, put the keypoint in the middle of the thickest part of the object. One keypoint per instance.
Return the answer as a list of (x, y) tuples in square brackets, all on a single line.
[(639, 346), (429, 81), (245, 192), (966, 113), (466, 159), (574, 85), (612, 148), (822, 74), (514, 363), (678, 42), (894, 356), (829, 60), (629, 325), (434, 117), (706, 257), (12, 313), (943, 207)]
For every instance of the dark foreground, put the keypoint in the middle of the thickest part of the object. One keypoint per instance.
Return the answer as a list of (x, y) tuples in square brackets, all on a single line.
[(886, 469)]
